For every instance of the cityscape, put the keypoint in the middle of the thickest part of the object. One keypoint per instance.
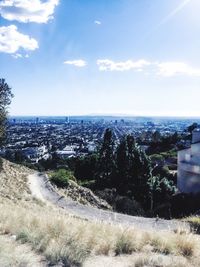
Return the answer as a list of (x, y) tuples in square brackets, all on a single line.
[(38, 137)]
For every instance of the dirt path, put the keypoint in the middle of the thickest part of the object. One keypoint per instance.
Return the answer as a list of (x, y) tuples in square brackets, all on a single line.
[(35, 187), (43, 190)]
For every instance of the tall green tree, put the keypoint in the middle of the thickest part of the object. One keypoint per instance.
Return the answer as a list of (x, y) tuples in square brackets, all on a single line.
[(160, 189), (120, 173), (132, 169), (85, 167), (106, 160), (139, 170), (5, 100), (192, 127)]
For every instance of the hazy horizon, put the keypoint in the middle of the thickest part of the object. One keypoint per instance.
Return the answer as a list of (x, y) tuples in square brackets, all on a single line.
[(106, 115)]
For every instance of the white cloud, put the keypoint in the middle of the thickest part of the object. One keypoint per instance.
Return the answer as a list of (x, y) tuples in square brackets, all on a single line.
[(77, 63), (169, 69), (98, 22), (17, 55), (165, 69), (28, 10), (109, 65), (11, 41)]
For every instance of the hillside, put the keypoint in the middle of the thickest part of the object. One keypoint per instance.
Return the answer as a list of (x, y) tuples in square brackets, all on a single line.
[(13, 181), (51, 237)]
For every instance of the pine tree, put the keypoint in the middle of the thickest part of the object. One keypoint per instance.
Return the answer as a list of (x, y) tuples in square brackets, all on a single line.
[(132, 169), (106, 160), (120, 177), (5, 100)]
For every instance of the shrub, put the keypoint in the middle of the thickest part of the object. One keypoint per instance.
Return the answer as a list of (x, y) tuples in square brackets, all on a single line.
[(186, 246), (125, 244), (61, 177), (157, 157)]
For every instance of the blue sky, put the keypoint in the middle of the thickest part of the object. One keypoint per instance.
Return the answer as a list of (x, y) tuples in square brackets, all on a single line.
[(137, 57)]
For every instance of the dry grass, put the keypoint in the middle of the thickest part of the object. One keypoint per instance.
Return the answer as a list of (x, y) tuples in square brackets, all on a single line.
[(13, 254), (194, 221), (13, 181), (62, 238), (138, 260)]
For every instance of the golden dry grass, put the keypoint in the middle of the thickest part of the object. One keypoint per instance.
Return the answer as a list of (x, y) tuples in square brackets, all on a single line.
[(62, 238), (13, 254), (13, 181), (194, 221)]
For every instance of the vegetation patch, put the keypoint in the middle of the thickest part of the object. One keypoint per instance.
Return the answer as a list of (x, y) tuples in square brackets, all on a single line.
[(194, 222), (61, 178), (125, 244), (14, 254)]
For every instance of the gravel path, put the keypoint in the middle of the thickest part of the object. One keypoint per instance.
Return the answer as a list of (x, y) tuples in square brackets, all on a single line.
[(41, 188)]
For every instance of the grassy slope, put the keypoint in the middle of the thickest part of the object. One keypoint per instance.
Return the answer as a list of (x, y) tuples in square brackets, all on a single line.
[(58, 237), (15, 254)]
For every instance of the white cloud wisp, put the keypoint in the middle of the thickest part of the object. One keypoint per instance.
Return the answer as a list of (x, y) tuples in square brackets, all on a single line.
[(164, 69), (169, 69), (28, 10), (98, 22), (77, 63), (110, 65)]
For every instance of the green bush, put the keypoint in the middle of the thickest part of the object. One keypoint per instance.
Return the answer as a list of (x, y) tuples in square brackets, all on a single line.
[(156, 157), (61, 177)]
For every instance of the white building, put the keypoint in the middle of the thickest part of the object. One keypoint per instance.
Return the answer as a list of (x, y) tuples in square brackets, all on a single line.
[(91, 147), (34, 154), (188, 180), (67, 152)]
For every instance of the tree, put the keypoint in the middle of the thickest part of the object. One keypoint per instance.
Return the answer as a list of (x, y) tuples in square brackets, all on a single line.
[(132, 169), (139, 171), (18, 156), (5, 100), (192, 127), (120, 177), (160, 189), (106, 160), (85, 167)]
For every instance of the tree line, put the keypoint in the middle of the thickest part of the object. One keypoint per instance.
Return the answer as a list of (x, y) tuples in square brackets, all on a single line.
[(126, 168)]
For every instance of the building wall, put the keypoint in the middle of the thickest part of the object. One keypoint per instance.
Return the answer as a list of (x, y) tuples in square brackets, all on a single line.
[(188, 180), (196, 136)]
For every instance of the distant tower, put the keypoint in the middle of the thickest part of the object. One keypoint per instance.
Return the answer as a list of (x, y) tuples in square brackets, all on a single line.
[(37, 120), (67, 119)]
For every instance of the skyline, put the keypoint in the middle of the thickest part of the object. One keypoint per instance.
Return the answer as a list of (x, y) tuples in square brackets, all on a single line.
[(118, 57)]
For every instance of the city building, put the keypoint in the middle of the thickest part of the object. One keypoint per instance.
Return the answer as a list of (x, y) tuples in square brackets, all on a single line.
[(188, 180), (34, 154), (67, 152)]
